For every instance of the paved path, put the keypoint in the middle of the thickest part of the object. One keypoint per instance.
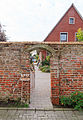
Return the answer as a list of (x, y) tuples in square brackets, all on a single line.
[(40, 115), (40, 97)]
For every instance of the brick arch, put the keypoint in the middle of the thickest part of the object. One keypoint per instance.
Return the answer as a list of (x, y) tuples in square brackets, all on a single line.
[(42, 46)]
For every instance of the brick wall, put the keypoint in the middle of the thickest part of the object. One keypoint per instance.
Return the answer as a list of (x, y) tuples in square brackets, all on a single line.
[(14, 72), (66, 69), (71, 69), (32, 80), (9, 71)]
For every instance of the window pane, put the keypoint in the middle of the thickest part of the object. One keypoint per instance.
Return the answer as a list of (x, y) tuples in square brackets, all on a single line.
[(63, 37), (71, 20)]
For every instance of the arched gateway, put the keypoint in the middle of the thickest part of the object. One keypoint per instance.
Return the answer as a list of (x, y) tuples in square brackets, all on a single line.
[(66, 69), (54, 65)]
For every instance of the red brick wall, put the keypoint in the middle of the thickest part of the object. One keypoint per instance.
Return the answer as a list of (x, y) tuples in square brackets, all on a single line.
[(55, 84), (9, 72), (71, 70), (14, 72), (66, 70), (64, 26)]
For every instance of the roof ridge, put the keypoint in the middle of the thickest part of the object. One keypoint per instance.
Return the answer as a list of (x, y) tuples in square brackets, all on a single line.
[(77, 11)]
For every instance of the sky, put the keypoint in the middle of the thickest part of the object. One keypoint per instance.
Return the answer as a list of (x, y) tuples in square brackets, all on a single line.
[(32, 20)]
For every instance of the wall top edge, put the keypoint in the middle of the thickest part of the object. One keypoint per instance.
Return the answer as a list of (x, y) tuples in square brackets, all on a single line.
[(47, 43)]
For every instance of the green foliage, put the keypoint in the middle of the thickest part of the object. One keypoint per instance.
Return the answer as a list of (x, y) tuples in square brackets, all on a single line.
[(66, 101), (80, 35), (45, 65), (48, 58), (26, 105), (75, 100), (37, 57), (46, 61), (45, 68)]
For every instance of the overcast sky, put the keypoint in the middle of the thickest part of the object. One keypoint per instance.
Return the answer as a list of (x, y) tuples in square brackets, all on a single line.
[(32, 20)]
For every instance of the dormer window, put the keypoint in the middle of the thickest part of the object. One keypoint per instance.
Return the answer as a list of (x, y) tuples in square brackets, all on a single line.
[(71, 20)]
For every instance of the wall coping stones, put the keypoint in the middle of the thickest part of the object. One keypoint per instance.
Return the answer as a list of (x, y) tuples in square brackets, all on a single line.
[(32, 43)]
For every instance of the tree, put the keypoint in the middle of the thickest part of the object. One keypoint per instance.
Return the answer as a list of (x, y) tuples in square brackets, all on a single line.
[(80, 35), (2, 35)]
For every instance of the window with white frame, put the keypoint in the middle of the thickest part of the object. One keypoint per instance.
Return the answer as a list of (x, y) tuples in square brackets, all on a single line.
[(71, 20), (63, 37)]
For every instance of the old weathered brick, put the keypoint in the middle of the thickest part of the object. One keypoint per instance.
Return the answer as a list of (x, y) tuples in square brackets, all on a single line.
[(66, 69)]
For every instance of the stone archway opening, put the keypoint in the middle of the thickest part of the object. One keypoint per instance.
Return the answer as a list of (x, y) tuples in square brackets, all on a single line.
[(26, 72), (40, 83)]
